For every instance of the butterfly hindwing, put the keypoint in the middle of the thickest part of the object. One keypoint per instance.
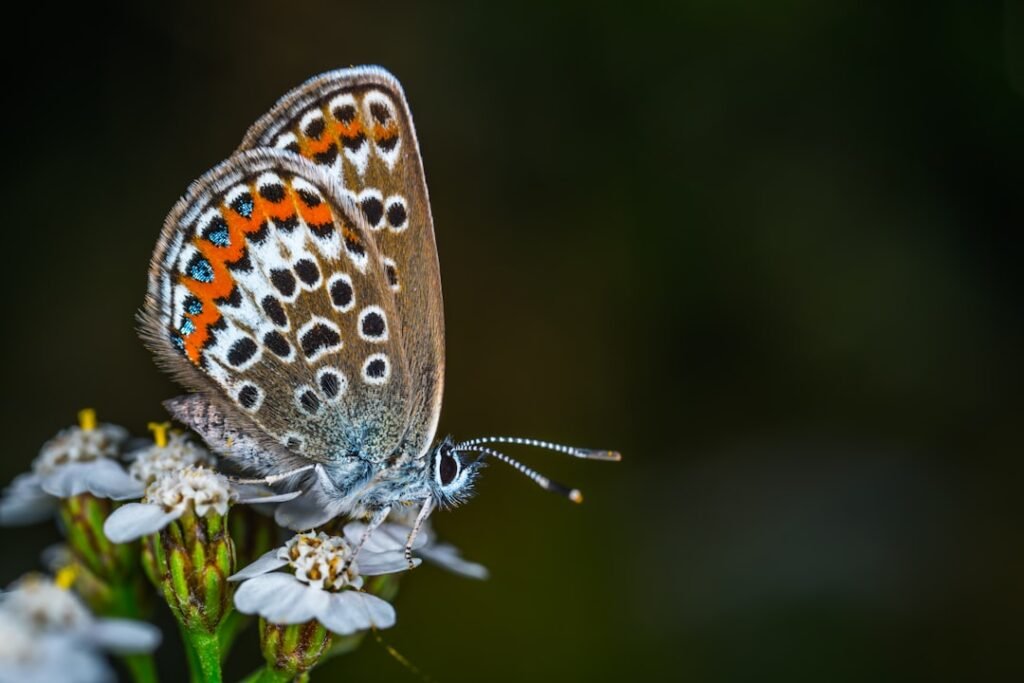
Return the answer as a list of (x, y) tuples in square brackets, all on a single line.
[(355, 124), (267, 286)]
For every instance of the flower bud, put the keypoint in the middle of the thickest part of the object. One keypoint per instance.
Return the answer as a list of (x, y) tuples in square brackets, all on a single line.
[(83, 516), (295, 648), (189, 560)]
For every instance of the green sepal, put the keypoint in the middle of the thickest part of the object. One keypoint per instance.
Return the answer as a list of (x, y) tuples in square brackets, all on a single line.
[(189, 561), (82, 517), (292, 650)]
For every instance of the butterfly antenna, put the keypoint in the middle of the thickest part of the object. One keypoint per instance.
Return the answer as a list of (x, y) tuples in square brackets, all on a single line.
[(572, 494), (574, 451), (400, 658)]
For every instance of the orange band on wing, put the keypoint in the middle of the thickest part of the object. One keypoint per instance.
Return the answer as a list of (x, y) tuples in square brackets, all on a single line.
[(223, 282)]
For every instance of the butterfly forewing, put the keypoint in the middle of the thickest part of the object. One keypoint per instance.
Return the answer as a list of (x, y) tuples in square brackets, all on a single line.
[(267, 283), (356, 126)]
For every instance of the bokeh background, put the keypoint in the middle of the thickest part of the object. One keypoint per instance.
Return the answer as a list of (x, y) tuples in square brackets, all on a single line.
[(771, 251)]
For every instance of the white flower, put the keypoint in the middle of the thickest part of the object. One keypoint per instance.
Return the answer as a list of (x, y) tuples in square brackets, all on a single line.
[(149, 463), (47, 634), (25, 502), (432, 550), (27, 657), (322, 581), (78, 460), (173, 493)]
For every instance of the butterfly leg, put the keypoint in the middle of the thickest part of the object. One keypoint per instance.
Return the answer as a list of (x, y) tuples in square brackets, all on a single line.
[(428, 507), (273, 478), (375, 521)]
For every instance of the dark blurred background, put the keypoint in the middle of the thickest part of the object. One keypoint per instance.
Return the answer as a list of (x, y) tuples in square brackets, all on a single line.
[(771, 251)]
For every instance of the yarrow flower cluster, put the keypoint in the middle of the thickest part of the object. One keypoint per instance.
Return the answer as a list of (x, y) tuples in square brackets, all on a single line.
[(322, 581), (165, 509), (179, 452), (173, 493), (80, 459), (322, 561), (47, 634)]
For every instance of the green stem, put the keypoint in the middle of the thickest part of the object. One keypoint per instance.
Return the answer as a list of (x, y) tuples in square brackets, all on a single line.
[(229, 628), (124, 603), (194, 670), (141, 667), (207, 651), (268, 675)]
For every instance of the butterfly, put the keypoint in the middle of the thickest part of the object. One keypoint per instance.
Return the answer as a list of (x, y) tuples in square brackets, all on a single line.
[(295, 289)]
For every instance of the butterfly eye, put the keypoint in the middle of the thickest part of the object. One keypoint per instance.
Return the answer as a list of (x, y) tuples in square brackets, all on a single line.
[(449, 469)]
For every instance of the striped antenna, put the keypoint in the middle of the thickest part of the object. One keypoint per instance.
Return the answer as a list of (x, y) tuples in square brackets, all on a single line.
[(585, 453), (572, 494)]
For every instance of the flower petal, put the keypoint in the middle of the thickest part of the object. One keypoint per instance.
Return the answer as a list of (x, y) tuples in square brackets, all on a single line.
[(115, 433), (448, 556), (374, 564), (124, 636), (384, 550), (25, 502), (350, 611), (279, 598), (107, 479), (136, 520), (260, 497), (267, 562), (303, 512), (66, 481), (61, 657), (387, 537)]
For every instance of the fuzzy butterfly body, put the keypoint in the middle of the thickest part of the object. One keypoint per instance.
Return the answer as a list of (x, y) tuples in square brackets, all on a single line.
[(295, 288)]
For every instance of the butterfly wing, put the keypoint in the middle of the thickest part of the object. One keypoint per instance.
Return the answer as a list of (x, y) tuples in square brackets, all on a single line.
[(356, 125), (267, 295)]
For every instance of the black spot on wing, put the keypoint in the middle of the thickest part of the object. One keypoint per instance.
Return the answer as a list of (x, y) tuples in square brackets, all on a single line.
[(248, 395), (274, 310), (380, 112), (373, 325), (310, 401), (377, 368), (330, 384), (276, 342), (260, 235), (353, 245), (308, 198), (307, 271), (241, 351), (243, 264), (322, 230), (346, 113), (315, 128), (233, 299), (354, 142), (287, 224), (341, 293), (216, 231), (273, 193), (242, 205), (373, 209), (283, 280), (326, 157), (317, 338)]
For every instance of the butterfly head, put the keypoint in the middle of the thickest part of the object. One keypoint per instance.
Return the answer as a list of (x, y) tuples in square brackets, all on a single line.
[(452, 473)]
